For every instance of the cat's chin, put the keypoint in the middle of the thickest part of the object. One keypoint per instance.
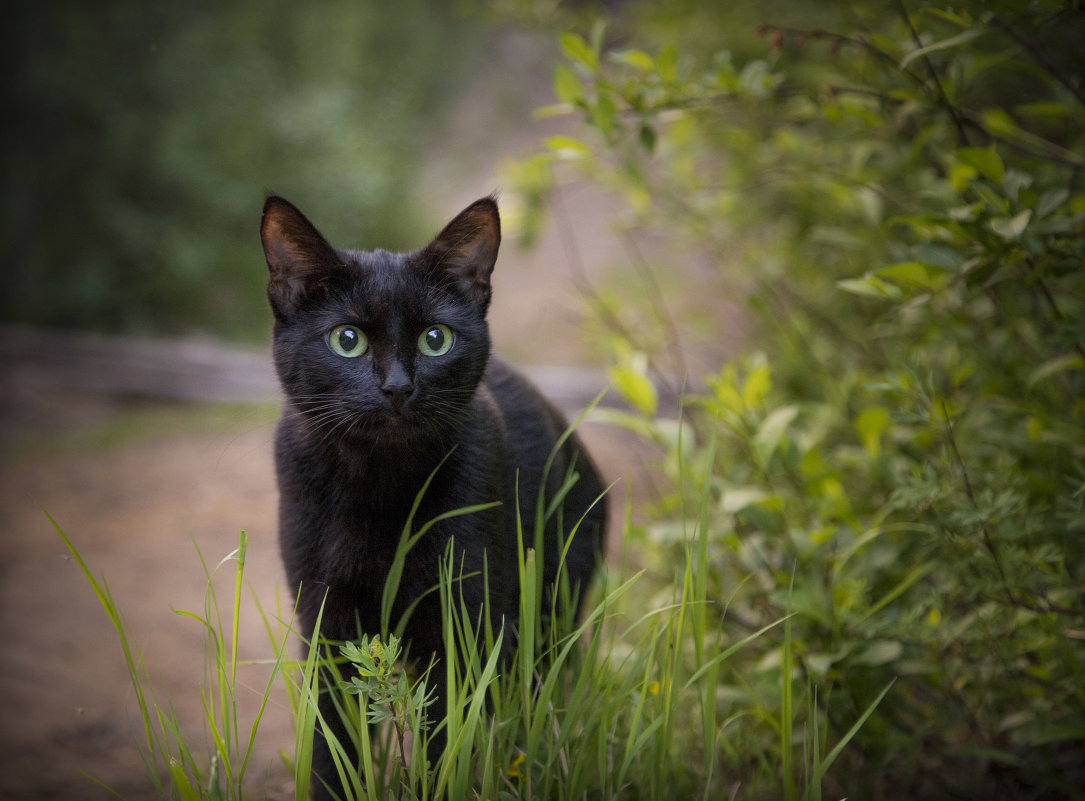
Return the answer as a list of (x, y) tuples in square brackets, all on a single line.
[(390, 428)]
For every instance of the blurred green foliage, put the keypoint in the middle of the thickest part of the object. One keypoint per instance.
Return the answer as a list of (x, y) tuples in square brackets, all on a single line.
[(139, 140), (900, 462)]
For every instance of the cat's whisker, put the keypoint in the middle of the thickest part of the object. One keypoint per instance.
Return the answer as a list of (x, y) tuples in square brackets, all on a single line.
[(335, 424)]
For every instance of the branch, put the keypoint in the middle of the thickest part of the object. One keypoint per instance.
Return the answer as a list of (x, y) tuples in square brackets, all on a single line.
[(838, 40), (1011, 596), (987, 541), (584, 284), (1040, 58), (1046, 293), (961, 134)]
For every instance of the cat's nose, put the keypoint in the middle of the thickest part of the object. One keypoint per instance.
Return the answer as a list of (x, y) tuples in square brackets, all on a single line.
[(397, 386)]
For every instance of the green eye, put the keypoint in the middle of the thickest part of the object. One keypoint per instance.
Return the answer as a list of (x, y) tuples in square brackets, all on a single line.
[(435, 341), (348, 341)]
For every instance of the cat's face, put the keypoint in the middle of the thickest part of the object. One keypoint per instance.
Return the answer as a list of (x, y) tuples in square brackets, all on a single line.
[(380, 345)]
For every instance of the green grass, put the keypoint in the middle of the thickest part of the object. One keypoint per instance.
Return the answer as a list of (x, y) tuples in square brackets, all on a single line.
[(175, 767), (635, 701)]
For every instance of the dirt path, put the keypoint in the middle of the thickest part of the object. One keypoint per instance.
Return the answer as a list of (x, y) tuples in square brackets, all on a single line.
[(134, 513)]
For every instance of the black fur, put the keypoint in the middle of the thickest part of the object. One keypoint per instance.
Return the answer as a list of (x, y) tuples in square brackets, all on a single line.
[(359, 436)]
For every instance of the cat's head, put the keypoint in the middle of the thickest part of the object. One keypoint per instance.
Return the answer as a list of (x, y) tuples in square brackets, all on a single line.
[(375, 344)]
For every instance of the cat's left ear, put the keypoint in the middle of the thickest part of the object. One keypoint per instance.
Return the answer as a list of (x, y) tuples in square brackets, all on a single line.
[(466, 250)]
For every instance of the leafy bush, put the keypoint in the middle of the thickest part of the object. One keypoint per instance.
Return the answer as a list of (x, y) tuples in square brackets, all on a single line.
[(900, 464)]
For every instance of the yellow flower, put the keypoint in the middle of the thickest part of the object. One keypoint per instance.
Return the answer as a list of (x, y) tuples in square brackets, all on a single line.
[(514, 768), (653, 688)]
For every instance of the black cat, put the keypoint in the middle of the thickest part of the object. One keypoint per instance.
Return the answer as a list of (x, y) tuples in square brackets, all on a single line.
[(385, 363)]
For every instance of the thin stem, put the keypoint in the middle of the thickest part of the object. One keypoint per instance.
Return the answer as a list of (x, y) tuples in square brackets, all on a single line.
[(655, 297), (1040, 58), (987, 541), (841, 39), (961, 133), (1046, 293)]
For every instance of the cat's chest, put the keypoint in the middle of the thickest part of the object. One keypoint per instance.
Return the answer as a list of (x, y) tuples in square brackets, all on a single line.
[(354, 507)]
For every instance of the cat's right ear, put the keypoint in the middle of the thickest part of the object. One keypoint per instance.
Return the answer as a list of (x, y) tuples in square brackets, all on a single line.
[(299, 259)]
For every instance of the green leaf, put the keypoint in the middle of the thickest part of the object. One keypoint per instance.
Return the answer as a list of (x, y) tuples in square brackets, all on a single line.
[(181, 782), (1011, 228), (869, 286), (738, 498), (578, 50), (567, 147), (999, 123), (756, 386), (647, 136), (1014, 181), (871, 425), (954, 41), (667, 63), (985, 160), (914, 274), (960, 176), (1043, 108), (567, 85), (966, 213), (1056, 733), (771, 432), (1060, 364), (604, 114), (960, 20), (637, 59), (997, 203), (635, 387), (1050, 201), (879, 652)]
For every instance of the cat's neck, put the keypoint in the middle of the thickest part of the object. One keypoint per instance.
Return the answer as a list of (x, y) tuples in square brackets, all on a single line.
[(381, 457)]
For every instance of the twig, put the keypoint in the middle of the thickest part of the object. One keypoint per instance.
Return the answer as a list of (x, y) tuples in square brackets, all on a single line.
[(674, 337), (584, 284), (1040, 58), (987, 541), (841, 39), (1051, 300), (1064, 157), (961, 134)]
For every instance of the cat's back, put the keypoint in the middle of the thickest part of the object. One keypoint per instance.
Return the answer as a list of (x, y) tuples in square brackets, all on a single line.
[(532, 423)]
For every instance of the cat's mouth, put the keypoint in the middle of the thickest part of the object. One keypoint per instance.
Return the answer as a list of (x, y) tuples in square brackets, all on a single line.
[(397, 421)]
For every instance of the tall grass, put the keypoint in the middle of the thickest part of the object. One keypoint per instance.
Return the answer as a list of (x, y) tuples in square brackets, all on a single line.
[(174, 766), (625, 703)]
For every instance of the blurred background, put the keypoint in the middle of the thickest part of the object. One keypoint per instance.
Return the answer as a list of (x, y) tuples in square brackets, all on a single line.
[(139, 137)]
